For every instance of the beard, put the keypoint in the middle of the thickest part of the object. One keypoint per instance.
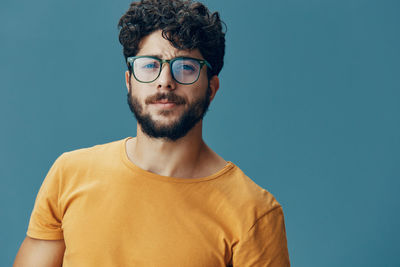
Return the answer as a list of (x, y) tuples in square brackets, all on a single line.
[(177, 129)]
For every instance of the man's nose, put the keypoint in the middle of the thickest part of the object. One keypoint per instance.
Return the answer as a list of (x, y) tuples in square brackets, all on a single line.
[(165, 80)]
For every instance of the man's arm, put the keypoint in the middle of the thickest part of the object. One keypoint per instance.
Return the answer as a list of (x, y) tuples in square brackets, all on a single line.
[(37, 252), (265, 243)]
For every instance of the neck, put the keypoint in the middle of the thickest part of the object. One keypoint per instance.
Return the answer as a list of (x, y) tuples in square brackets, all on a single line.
[(180, 158)]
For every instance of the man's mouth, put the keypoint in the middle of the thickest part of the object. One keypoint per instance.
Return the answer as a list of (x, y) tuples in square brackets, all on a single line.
[(164, 101), (164, 104)]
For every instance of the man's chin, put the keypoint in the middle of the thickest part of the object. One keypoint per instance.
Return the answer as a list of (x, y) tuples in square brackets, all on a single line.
[(163, 121), (165, 114), (159, 125)]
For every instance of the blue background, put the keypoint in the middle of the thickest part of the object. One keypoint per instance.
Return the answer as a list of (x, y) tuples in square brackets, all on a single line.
[(308, 108)]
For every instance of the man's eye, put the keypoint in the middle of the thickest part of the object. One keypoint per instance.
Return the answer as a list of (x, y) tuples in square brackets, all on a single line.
[(150, 66), (186, 67)]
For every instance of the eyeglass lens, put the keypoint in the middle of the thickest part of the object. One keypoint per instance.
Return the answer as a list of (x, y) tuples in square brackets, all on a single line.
[(184, 70)]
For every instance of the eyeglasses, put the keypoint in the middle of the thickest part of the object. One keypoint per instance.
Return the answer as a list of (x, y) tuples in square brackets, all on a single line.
[(184, 70)]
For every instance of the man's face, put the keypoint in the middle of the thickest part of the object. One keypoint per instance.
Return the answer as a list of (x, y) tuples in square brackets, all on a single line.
[(190, 102)]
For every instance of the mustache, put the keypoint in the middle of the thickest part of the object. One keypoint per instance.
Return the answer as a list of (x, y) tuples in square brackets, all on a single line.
[(170, 97)]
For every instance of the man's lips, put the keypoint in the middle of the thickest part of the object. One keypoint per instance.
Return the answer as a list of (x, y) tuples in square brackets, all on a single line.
[(164, 104)]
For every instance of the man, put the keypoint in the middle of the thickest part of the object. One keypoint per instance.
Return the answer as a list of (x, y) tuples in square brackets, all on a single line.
[(163, 198)]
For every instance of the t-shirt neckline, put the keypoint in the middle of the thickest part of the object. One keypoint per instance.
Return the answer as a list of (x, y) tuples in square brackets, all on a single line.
[(152, 175)]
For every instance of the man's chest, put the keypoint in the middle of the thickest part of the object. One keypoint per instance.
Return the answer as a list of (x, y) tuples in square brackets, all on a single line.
[(126, 230)]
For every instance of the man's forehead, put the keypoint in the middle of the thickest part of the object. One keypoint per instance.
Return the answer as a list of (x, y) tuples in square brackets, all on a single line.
[(169, 55), (156, 45)]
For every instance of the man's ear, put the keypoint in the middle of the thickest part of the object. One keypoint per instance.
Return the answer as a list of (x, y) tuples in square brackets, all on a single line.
[(127, 74), (214, 85)]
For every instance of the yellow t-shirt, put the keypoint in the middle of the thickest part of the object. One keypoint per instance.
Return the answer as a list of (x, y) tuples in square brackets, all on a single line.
[(110, 213)]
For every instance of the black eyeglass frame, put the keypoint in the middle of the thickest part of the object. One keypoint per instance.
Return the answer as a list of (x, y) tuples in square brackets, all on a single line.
[(202, 62)]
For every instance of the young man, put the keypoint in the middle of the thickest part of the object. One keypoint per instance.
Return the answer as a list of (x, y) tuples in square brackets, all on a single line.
[(163, 198)]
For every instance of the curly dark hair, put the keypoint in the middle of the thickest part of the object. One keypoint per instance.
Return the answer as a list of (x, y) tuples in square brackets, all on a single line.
[(184, 23)]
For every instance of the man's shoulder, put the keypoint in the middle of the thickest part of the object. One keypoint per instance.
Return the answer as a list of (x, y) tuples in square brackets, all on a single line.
[(248, 196), (90, 154)]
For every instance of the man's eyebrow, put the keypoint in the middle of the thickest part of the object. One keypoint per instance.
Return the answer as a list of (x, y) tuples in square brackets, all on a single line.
[(154, 55), (161, 57)]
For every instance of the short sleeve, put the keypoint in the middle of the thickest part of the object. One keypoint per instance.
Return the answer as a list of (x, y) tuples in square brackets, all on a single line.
[(45, 220), (265, 243)]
